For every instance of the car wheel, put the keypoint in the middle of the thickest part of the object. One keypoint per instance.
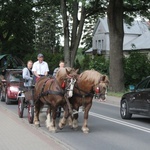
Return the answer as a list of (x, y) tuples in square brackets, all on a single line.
[(124, 110), (30, 111), (20, 106), (7, 100)]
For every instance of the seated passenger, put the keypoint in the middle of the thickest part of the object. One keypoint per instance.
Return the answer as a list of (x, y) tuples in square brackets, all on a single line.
[(27, 74)]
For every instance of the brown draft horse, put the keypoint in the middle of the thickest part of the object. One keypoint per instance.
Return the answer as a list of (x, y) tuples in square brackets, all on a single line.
[(51, 91), (89, 83)]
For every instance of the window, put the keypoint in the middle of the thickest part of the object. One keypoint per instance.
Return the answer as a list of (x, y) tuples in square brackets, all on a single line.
[(143, 84)]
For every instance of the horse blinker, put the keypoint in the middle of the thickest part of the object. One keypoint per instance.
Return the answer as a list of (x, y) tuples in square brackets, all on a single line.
[(63, 85), (97, 90)]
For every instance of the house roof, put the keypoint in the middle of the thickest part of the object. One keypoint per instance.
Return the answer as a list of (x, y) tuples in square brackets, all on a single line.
[(89, 50), (136, 27), (141, 42)]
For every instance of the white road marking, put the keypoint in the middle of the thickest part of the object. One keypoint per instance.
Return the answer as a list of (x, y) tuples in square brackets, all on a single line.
[(144, 129)]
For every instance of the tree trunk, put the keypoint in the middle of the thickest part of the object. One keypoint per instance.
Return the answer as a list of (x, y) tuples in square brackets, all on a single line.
[(116, 32), (77, 34), (66, 33)]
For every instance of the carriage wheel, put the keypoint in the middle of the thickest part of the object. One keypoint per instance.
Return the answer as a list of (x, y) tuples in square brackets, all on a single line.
[(20, 107), (30, 111), (59, 112)]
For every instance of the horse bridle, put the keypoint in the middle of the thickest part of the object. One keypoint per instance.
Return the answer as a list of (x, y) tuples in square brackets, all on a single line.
[(98, 91)]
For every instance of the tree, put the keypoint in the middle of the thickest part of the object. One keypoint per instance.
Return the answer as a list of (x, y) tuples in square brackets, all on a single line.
[(73, 23), (116, 8), (115, 23), (48, 29), (16, 26), (117, 11)]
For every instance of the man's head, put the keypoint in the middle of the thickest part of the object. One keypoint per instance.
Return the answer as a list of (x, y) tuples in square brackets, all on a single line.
[(61, 64), (40, 57)]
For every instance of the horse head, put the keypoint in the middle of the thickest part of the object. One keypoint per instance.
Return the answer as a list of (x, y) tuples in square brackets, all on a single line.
[(67, 78), (100, 88)]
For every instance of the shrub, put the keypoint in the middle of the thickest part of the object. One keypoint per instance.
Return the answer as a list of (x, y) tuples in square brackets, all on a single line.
[(136, 67), (99, 63)]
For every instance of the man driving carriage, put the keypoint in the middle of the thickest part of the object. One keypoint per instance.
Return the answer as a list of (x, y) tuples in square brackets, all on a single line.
[(40, 67)]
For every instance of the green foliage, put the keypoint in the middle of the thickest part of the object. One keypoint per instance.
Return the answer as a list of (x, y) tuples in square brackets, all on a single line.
[(136, 67), (100, 64), (85, 63), (48, 29), (16, 27)]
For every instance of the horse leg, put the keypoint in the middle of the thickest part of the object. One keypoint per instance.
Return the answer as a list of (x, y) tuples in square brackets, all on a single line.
[(75, 118), (52, 126), (36, 114), (85, 128), (63, 121), (48, 120)]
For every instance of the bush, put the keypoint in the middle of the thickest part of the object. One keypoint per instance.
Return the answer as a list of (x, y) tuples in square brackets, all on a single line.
[(136, 67), (99, 63)]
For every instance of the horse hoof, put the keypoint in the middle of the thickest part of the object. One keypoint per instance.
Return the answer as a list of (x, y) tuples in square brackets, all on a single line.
[(37, 124), (75, 129), (60, 128), (47, 124), (52, 129), (85, 130)]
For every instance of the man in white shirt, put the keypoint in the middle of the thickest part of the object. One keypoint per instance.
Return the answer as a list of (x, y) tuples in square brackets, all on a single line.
[(40, 67)]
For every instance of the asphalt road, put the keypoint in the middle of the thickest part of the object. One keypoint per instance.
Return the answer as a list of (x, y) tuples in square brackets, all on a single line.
[(107, 130)]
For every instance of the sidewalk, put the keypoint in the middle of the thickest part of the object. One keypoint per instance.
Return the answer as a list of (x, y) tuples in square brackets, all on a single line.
[(112, 100), (15, 134)]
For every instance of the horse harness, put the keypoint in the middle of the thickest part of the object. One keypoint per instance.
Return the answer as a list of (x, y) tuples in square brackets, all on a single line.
[(83, 96), (60, 92)]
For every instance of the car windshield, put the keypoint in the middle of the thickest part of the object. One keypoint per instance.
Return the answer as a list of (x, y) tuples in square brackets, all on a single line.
[(16, 77), (144, 84)]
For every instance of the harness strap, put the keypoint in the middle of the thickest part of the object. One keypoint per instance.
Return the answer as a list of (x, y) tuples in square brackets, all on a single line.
[(69, 105), (83, 95), (53, 93), (86, 94), (41, 94)]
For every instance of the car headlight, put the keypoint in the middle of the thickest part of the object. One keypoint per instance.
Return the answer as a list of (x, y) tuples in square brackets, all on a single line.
[(14, 89)]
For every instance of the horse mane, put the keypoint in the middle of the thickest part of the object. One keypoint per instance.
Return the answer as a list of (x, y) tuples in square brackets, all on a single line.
[(92, 76), (61, 73)]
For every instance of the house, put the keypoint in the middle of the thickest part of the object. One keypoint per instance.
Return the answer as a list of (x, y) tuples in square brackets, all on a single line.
[(136, 37)]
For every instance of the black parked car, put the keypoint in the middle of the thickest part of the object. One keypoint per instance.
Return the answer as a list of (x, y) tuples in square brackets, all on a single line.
[(137, 101)]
